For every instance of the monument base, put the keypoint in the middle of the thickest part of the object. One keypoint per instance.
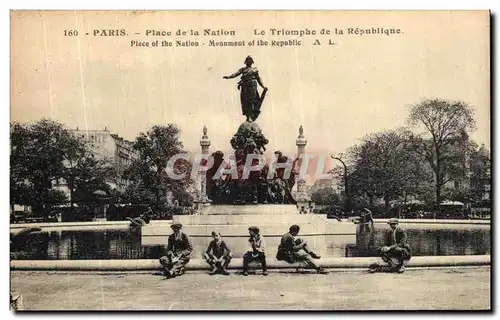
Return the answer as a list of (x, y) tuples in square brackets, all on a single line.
[(250, 209), (325, 236)]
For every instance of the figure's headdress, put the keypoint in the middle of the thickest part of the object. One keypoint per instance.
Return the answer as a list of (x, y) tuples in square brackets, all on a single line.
[(249, 58)]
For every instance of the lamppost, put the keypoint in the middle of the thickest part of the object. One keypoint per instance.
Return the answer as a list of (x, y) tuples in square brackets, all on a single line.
[(346, 187)]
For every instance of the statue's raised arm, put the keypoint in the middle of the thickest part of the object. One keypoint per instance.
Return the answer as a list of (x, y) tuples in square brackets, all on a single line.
[(251, 100), (234, 75)]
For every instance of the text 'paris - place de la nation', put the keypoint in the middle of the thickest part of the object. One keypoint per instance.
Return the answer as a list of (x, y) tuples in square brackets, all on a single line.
[(280, 32)]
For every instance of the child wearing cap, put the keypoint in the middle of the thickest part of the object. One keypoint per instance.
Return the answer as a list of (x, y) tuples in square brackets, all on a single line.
[(396, 247), (294, 249), (257, 251), (179, 251), (218, 255)]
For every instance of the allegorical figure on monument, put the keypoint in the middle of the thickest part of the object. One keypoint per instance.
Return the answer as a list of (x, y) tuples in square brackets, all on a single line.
[(251, 101)]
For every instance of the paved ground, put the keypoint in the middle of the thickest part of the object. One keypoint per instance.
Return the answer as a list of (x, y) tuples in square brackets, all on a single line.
[(435, 289)]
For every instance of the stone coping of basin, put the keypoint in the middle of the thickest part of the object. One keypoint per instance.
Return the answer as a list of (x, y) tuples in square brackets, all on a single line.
[(436, 221), (199, 264), (55, 226), (70, 224), (76, 226)]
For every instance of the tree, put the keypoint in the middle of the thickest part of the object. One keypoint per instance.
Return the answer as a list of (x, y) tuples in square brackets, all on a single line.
[(385, 167), (19, 186), (45, 152), (37, 156), (83, 172), (446, 123), (90, 174), (325, 196), (480, 171), (147, 174)]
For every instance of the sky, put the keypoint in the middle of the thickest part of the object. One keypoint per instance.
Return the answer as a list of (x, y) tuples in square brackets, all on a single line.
[(360, 85)]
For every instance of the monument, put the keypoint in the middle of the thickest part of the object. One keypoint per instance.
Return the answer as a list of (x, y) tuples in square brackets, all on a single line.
[(230, 201), (259, 187)]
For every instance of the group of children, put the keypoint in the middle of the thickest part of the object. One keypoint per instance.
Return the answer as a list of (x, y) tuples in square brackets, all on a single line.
[(218, 255), (291, 249)]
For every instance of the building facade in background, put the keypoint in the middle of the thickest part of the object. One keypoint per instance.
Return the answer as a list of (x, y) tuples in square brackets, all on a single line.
[(105, 145)]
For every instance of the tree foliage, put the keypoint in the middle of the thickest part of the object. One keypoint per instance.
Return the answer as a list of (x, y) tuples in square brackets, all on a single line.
[(90, 174), (480, 172), (325, 196), (147, 174), (45, 152), (385, 167), (446, 124)]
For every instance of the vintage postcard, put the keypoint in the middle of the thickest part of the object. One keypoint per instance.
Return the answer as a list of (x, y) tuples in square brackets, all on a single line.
[(250, 160)]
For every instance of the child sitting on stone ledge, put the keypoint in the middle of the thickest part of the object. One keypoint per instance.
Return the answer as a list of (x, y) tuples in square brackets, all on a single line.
[(179, 251), (293, 249), (218, 255), (257, 252), (396, 247)]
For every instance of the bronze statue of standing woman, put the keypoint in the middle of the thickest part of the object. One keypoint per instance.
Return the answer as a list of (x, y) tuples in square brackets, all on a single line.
[(251, 101)]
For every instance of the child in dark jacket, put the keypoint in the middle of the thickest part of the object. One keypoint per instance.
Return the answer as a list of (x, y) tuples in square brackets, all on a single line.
[(218, 255), (179, 251), (257, 251)]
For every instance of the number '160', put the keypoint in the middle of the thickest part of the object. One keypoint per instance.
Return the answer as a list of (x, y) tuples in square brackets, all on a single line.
[(70, 33)]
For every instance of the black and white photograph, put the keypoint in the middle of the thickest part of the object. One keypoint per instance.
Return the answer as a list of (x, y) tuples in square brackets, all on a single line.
[(250, 160)]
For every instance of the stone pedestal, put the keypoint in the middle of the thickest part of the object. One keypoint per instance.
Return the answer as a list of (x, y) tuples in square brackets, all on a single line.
[(327, 237), (258, 209), (202, 206)]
